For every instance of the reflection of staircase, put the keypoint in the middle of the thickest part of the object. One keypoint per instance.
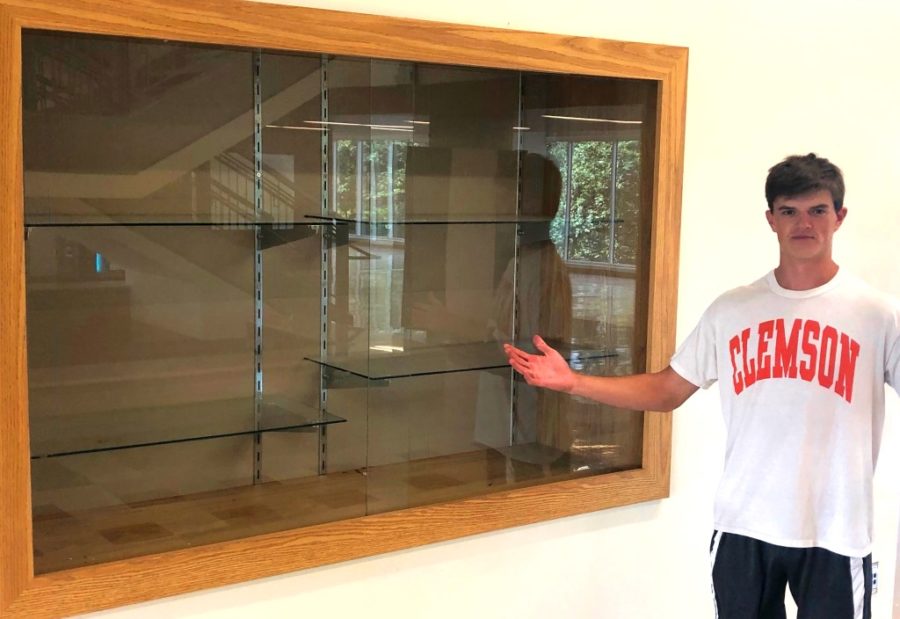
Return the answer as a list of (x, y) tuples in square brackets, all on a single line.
[(232, 190), (137, 114), (104, 76), (66, 76)]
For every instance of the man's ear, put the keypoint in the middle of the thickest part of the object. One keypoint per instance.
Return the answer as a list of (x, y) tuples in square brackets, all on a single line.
[(770, 217), (841, 214)]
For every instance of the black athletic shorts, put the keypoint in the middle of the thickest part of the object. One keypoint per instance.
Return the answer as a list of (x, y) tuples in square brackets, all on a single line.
[(749, 580)]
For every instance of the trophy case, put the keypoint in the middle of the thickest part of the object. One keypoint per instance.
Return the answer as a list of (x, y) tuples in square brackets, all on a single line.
[(260, 287)]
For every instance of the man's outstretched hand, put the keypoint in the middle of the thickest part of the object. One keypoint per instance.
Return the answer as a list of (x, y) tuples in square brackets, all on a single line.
[(547, 370)]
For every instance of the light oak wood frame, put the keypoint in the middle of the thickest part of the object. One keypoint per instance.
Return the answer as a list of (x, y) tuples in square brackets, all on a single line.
[(250, 24)]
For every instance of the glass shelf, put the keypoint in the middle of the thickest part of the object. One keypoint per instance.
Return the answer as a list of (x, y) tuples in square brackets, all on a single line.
[(146, 427), (333, 218), (437, 219), (381, 365), (272, 234), (76, 221)]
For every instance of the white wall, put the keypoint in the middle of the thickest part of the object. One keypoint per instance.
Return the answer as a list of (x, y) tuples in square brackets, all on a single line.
[(767, 78)]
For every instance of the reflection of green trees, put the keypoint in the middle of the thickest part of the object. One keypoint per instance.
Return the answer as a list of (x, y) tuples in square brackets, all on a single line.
[(628, 201), (591, 216), (363, 175)]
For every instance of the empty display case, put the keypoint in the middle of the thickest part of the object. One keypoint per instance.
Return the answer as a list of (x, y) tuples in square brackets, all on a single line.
[(266, 290)]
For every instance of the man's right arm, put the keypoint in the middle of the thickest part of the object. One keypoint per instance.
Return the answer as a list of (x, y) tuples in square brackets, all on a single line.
[(657, 391)]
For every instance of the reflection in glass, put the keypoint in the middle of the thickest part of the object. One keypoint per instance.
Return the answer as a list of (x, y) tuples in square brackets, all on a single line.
[(241, 323), (133, 330), (125, 130), (290, 161)]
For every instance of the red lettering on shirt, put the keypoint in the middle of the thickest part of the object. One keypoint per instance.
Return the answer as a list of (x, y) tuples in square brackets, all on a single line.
[(734, 348), (764, 370), (807, 351), (849, 354), (749, 370), (828, 356), (810, 349), (786, 350)]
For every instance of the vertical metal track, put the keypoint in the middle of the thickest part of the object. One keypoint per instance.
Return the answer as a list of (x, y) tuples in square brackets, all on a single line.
[(323, 308), (612, 201), (520, 143), (570, 158), (257, 262)]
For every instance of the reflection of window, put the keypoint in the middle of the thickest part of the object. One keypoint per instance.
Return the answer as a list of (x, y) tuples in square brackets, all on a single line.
[(370, 180), (598, 220), (370, 185)]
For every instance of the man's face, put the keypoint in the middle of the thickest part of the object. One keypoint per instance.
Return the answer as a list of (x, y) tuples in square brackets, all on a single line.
[(805, 225)]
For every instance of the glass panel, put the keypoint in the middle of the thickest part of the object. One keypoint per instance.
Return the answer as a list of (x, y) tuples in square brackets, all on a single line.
[(136, 335), (600, 134), (305, 308), (451, 279), (590, 215), (290, 332), (424, 446), (627, 218), (464, 163), (124, 130), (370, 127), (290, 281), (291, 93), (429, 383), (98, 507), (122, 349)]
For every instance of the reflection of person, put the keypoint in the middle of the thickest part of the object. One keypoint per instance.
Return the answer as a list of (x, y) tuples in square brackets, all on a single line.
[(803, 354), (544, 290), (544, 295), (537, 277), (533, 284)]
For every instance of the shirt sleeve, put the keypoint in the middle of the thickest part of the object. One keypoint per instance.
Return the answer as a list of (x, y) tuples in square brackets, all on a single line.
[(892, 356), (696, 359)]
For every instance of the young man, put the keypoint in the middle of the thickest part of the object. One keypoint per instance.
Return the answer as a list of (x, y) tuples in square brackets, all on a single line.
[(803, 355)]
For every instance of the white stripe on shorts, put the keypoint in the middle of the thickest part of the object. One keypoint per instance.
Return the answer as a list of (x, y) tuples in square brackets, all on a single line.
[(858, 582)]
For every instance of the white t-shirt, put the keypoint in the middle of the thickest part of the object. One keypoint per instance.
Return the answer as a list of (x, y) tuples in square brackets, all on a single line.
[(802, 389)]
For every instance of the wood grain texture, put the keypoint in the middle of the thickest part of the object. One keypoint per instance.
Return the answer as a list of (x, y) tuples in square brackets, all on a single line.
[(322, 31), (232, 22), (15, 501), (67, 540), (181, 571), (664, 253)]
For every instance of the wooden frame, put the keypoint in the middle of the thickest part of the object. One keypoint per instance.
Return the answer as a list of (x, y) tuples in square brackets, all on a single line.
[(249, 24)]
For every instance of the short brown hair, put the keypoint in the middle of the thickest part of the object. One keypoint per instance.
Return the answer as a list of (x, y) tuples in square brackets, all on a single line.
[(801, 174)]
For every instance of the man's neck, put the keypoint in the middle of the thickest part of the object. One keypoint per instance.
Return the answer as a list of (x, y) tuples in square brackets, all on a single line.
[(805, 276)]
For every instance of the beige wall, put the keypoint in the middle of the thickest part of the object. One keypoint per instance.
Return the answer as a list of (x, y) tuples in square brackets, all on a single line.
[(767, 79)]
